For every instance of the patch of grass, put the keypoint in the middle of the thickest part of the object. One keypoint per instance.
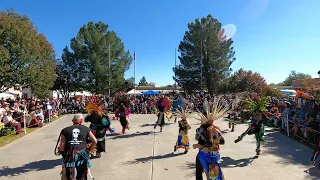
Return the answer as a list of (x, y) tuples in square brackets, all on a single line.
[(11, 136)]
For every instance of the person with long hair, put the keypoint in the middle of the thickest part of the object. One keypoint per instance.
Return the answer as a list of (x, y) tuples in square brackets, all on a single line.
[(209, 139)]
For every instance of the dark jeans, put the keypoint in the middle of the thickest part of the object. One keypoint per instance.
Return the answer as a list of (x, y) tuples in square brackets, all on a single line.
[(199, 169)]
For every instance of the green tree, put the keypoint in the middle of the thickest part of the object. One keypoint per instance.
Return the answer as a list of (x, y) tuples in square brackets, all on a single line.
[(217, 56), (294, 75), (63, 83), (129, 84), (272, 92), (242, 80), (87, 63), (249, 81), (143, 81), (26, 57)]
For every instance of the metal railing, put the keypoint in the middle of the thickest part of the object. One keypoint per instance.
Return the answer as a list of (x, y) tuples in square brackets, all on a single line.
[(299, 133)]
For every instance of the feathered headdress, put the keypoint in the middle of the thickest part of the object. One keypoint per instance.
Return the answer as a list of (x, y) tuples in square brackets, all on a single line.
[(235, 103), (184, 113), (94, 105), (259, 104), (121, 98), (218, 110)]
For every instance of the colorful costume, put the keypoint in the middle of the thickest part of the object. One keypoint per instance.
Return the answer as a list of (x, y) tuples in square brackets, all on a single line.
[(76, 151), (209, 140), (123, 114), (177, 105), (233, 115), (119, 98), (256, 127), (100, 123), (184, 126), (163, 106)]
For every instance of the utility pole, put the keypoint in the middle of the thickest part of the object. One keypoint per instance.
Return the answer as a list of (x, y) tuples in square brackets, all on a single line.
[(109, 71), (134, 72), (175, 66)]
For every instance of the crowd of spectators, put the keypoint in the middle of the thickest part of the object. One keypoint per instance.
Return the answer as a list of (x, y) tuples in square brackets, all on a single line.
[(303, 114), (35, 112)]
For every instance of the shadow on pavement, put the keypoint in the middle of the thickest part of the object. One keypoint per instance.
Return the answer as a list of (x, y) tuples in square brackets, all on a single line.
[(225, 131), (187, 166), (269, 131), (290, 151), (147, 159), (148, 125), (313, 172), (228, 162), (33, 166), (125, 136)]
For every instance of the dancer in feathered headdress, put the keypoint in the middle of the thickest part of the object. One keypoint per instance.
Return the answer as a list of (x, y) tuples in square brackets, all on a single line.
[(123, 112), (162, 106), (209, 140), (184, 126), (100, 123), (257, 107), (177, 104), (233, 115)]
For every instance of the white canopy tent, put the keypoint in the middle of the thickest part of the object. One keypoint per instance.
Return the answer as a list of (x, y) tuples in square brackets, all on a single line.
[(132, 91), (7, 95)]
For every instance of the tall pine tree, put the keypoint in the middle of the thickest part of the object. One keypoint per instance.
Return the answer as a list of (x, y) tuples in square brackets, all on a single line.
[(87, 65), (217, 56)]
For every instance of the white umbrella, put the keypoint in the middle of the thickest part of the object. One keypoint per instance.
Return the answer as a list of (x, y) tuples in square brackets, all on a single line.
[(7, 95), (132, 91)]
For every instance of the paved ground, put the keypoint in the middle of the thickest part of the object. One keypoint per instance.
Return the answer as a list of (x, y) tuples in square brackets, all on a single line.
[(145, 155)]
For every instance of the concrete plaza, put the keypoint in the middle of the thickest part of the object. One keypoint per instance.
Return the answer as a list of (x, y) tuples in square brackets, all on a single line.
[(146, 154)]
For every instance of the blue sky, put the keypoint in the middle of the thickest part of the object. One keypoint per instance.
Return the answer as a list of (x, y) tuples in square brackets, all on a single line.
[(272, 38)]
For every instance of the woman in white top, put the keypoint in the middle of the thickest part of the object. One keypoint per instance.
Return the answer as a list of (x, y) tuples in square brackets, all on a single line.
[(8, 120)]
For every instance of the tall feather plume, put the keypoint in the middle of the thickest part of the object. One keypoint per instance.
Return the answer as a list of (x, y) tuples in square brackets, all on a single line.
[(235, 103), (94, 105), (184, 113), (218, 111)]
